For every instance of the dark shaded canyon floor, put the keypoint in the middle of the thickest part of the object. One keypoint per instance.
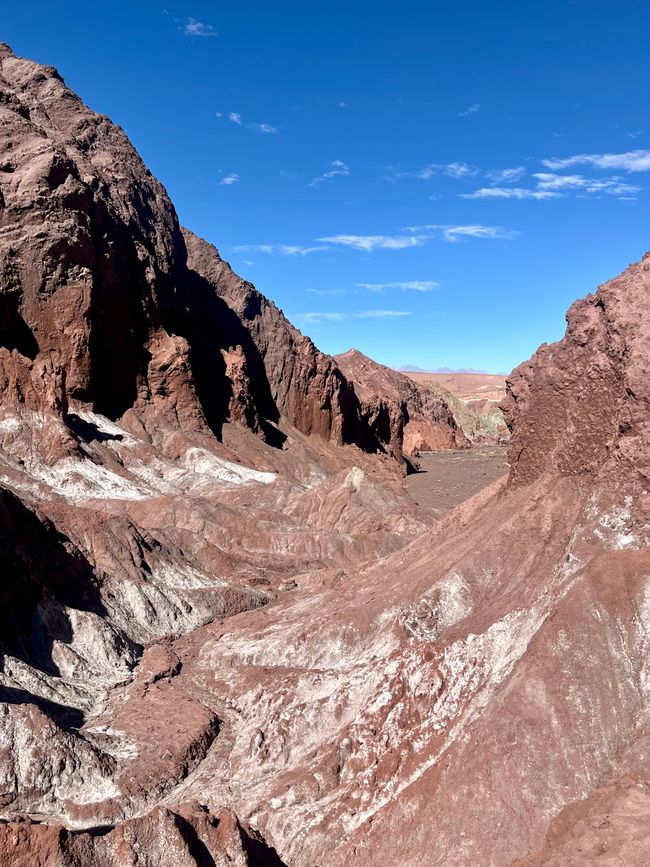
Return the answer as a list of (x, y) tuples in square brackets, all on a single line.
[(451, 477)]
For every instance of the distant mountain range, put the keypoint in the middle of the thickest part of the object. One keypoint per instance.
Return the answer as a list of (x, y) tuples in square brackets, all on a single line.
[(411, 368)]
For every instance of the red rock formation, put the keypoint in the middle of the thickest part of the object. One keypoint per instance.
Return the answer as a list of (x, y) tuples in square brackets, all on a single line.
[(582, 401), (272, 632), (474, 400), (427, 420), (188, 836), (97, 285)]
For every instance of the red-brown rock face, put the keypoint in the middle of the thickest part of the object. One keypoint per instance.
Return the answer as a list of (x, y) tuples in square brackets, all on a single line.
[(203, 637), (584, 400), (427, 420), (95, 279)]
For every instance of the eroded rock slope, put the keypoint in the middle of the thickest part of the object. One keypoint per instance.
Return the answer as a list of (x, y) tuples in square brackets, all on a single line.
[(223, 642), (427, 419)]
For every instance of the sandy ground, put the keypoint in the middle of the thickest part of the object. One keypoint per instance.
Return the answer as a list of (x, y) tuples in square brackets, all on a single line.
[(448, 478), (467, 386)]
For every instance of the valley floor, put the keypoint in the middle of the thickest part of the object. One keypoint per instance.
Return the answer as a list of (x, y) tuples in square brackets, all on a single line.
[(451, 477)]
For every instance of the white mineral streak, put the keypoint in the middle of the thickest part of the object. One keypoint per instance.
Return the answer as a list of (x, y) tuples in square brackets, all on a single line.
[(80, 479), (355, 478)]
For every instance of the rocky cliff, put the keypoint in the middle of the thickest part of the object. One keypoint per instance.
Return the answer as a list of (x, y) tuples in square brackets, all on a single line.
[(106, 302), (221, 642), (427, 418)]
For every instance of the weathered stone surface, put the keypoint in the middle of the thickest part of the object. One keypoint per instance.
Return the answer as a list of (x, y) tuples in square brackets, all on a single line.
[(188, 836), (99, 303), (426, 418), (219, 602)]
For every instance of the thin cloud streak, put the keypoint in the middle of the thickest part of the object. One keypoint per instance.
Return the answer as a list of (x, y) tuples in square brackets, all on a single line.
[(236, 118), (382, 314), (471, 109), (630, 161), (229, 180), (314, 317), (432, 170), (416, 285), (337, 169), (509, 193), (282, 249), (192, 27), (612, 186), (419, 236), (506, 176), (369, 243), (454, 233)]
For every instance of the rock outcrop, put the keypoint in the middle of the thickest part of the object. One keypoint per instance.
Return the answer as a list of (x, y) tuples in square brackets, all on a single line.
[(99, 303), (188, 836), (227, 636), (474, 399), (581, 404), (427, 419)]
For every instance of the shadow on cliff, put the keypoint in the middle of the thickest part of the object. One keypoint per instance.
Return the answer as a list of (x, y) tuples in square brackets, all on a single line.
[(40, 573), (63, 715), (210, 326), (15, 333)]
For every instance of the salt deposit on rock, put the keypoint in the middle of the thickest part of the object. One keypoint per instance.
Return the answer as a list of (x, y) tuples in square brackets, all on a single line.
[(228, 636)]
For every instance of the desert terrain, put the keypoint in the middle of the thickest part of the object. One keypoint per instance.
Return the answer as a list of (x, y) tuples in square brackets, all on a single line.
[(467, 386), (237, 627), (446, 478), (475, 400)]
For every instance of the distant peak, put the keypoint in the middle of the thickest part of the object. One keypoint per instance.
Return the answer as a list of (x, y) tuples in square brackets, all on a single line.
[(411, 368)]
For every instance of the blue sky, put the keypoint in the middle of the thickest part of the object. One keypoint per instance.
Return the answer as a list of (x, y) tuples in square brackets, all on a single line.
[(433, 183)]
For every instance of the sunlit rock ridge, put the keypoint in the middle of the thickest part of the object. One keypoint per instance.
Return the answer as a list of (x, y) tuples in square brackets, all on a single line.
[(227, 635)]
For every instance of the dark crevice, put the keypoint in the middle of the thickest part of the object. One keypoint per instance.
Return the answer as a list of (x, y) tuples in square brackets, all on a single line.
[(15, 333), (87, 431), (197, 848), (40, 575), (63, 715)]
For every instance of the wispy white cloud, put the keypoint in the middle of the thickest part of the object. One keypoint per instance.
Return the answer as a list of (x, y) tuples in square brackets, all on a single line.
[(337, 169), (369, 243), (506, 176), (432, 170), (631, 161), (509, 193), (264, 128), (317, 316), (612, 186), (326, 291), (236, 118), (416, 285), (471, 109), (459, 170), (382, 314), (417, 237), (451, 170), (282, 249), (343, 105), (454, 233), (635, 133), (229, 179), (553, 186), (192, 27), (313, 317)]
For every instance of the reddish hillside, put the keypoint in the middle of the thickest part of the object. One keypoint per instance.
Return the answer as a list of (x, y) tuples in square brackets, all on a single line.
[(428, 422), (227, 634)]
